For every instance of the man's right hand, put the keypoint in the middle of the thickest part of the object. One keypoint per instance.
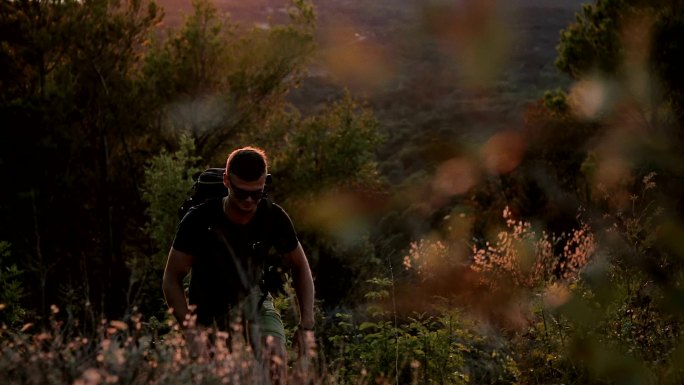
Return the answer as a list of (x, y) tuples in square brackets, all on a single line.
[(305, 343)]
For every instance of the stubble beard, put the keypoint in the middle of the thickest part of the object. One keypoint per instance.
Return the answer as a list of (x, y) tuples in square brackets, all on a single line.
[(237, 206)]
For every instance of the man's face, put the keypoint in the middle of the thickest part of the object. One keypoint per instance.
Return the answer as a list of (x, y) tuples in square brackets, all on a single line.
[(245, 195)]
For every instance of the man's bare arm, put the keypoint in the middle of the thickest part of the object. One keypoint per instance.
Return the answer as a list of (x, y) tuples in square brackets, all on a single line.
[(303, 285), (178, 267)]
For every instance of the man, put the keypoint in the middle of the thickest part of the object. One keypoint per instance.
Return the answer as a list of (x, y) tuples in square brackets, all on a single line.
[(224, 243)]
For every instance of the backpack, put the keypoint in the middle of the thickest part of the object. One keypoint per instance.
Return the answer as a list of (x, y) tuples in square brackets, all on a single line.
[(209, 184)]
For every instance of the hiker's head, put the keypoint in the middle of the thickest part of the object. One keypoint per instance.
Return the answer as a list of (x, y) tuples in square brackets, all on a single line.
[(245, 177), (247, 163)]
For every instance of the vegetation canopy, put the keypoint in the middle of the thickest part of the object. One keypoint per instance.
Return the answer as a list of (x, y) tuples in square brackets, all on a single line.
[(471, 216)]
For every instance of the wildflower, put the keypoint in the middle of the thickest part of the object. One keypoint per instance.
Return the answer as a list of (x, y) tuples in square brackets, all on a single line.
[(407, 262), (276, 360), (556, 295), (89, 377), (527, 259), (118, 325), (648, 181), (119, 356)]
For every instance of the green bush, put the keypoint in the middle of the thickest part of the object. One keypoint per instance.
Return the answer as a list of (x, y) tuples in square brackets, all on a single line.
[(441, 346), (617, 324), (168, 180), (12, 313)]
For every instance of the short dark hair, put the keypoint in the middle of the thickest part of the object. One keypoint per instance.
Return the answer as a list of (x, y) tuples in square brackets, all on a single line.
[(247, 163)]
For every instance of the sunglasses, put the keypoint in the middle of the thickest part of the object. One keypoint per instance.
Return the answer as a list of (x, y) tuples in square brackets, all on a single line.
[(242, 195)]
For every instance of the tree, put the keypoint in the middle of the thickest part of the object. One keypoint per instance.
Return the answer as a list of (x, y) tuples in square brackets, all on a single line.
[(618, 39), (220, 80), (92, 90), (622, 55), (331, 150), (326, 176), (74, 113), (168, 178)]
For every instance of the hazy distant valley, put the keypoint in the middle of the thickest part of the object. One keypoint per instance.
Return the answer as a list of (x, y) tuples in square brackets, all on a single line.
[(439, 75)]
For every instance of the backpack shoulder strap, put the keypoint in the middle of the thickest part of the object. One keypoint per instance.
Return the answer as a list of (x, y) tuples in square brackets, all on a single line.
[(244, 280)]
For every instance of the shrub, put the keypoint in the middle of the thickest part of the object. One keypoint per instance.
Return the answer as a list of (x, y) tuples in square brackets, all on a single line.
[(11, 290), (168, 178), (522, 258), (440, 346)]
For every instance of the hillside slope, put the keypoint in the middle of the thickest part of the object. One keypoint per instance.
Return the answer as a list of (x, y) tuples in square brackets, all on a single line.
[(439, 75)]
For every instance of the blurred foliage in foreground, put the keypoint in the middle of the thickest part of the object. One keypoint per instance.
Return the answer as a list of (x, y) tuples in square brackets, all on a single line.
[(549, 253)]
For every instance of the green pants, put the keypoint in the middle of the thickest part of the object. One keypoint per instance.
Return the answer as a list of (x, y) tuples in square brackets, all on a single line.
[(270, 323), (265, 320)]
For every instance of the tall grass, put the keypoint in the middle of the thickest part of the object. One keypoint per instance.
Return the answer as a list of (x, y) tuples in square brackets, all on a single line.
[(130, 352)]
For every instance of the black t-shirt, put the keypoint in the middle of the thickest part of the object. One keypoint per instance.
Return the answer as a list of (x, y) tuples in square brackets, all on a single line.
[(228, 258)]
